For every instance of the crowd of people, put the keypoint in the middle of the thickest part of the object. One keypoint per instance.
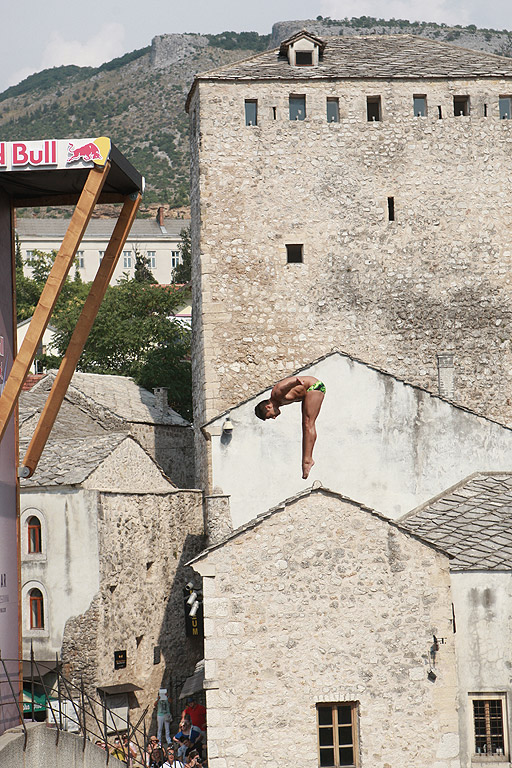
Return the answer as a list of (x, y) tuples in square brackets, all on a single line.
[(186, 749)]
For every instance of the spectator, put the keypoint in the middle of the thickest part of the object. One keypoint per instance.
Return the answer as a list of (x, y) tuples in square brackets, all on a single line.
[(129, 748), (172, 759), (187, 737), (153, 743), (118, 751), (163, 715), (196, 712), (156, 759)]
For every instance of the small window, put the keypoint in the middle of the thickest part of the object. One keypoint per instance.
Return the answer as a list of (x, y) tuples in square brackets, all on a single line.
[(102, 253), (297, 107), (439, 113), (152, 259), (460, 105), (337, 734), (175, 259), (304, 58), (80, 259), (391, 208), (251, 112), (333, 110), (36, 609), (30, 255), (127, 260), (274, 113), (373, 109), (294, 253), (34, 535), (489, 723), (420, 106), (505, 107)]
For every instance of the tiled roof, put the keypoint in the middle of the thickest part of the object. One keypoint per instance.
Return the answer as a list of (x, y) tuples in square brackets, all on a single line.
[(100, 228), (372, 56), (471, 521), (70, 462), (121, 395)]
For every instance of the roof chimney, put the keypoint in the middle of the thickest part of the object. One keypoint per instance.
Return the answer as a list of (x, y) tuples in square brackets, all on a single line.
[(160, 216), (161, 400)]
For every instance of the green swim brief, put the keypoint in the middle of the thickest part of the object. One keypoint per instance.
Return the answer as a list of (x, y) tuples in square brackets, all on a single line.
[(320, 386)]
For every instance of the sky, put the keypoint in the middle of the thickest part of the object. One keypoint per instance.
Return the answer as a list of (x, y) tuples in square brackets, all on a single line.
[(38, 34)]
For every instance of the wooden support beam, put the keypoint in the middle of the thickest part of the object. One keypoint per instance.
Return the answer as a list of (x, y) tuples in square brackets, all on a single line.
[(51, 291), (79, 336)]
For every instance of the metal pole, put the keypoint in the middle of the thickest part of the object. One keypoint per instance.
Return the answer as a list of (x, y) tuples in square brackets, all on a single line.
[(20, 713), (58, 690), (83, 711), (32, 677)]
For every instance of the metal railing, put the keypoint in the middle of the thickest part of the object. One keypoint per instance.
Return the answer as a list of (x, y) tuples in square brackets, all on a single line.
[(69, 707)]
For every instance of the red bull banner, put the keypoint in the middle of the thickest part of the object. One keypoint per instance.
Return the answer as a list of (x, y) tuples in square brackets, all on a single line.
[(9, 626), (54, 153)]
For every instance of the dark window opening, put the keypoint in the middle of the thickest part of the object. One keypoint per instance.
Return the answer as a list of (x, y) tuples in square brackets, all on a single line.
[(294, 253), (391, 208), (157, 654), (485, 110), (337, 734), (333, 110), (440, 113), (505, 107), (297, 107), (420, 106), (251, 112), (34, 535), (373, 109), (139, 639), (36, 609), (304, 58), (489, 727), (274, 113), (460, 105)]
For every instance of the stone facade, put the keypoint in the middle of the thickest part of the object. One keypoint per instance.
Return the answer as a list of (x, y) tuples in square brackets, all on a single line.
[(323, 600), (393, 293)]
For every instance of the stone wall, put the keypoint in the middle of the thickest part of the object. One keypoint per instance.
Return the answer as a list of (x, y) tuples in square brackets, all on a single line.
[(392, 293), (144, 541), (324, 601), (172, 447)]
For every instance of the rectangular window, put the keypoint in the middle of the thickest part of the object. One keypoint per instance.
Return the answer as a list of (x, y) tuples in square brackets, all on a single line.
[(373, 109), (127, 260), (102, 253), (175, 259), (304, 58), (337, 734), (294, 253), (489, 721), (30, 255), (333, 110), (251, 112), (505, 107), (152, 259), (391, 208), (460, 105), (297, 107), (420, 106), (80, 259)]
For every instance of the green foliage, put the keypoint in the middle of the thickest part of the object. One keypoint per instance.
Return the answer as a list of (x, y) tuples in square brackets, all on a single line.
[(249, 41), (135, 334), (142, 273), (181, 273)]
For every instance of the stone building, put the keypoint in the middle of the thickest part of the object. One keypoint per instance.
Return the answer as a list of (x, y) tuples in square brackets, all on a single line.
[(352, 193), (472, 523), (382, 441), (95, 404), (104, 538), (322, 625)]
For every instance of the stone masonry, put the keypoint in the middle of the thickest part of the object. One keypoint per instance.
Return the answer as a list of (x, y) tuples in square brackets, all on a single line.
[(323, 600), (392, 293)]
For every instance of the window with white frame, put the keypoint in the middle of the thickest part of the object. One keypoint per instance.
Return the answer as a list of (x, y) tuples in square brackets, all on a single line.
[(102, 253), (490, 736), (29, 255), (175, 259), (36, 609), (152, 259), (34, 538), (80, 260), (338, 734), (127, 260)]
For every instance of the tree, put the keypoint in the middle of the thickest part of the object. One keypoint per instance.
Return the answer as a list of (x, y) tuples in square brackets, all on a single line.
[(135, 334), (142, 273), (181, 273)]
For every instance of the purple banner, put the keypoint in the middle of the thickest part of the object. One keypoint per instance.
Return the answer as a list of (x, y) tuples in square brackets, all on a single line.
[(9, 638)]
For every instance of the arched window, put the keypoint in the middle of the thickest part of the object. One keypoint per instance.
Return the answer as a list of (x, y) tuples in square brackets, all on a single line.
[(34, 535), (36, 609)]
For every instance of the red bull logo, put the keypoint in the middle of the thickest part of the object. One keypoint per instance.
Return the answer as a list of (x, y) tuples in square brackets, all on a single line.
[(86, 152), (32, 153)]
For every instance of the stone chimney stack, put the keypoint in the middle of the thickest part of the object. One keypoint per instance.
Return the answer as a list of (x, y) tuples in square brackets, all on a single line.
[(445, 370), (160, 216), (162, 402)]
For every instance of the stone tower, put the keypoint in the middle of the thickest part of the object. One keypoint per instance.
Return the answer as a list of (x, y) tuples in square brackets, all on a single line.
[(352, 193)]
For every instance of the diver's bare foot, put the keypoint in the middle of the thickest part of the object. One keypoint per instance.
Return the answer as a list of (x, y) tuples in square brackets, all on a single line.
[(306, 468)]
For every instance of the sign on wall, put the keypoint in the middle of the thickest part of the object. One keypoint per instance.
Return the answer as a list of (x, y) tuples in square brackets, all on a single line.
[(53, 154)]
